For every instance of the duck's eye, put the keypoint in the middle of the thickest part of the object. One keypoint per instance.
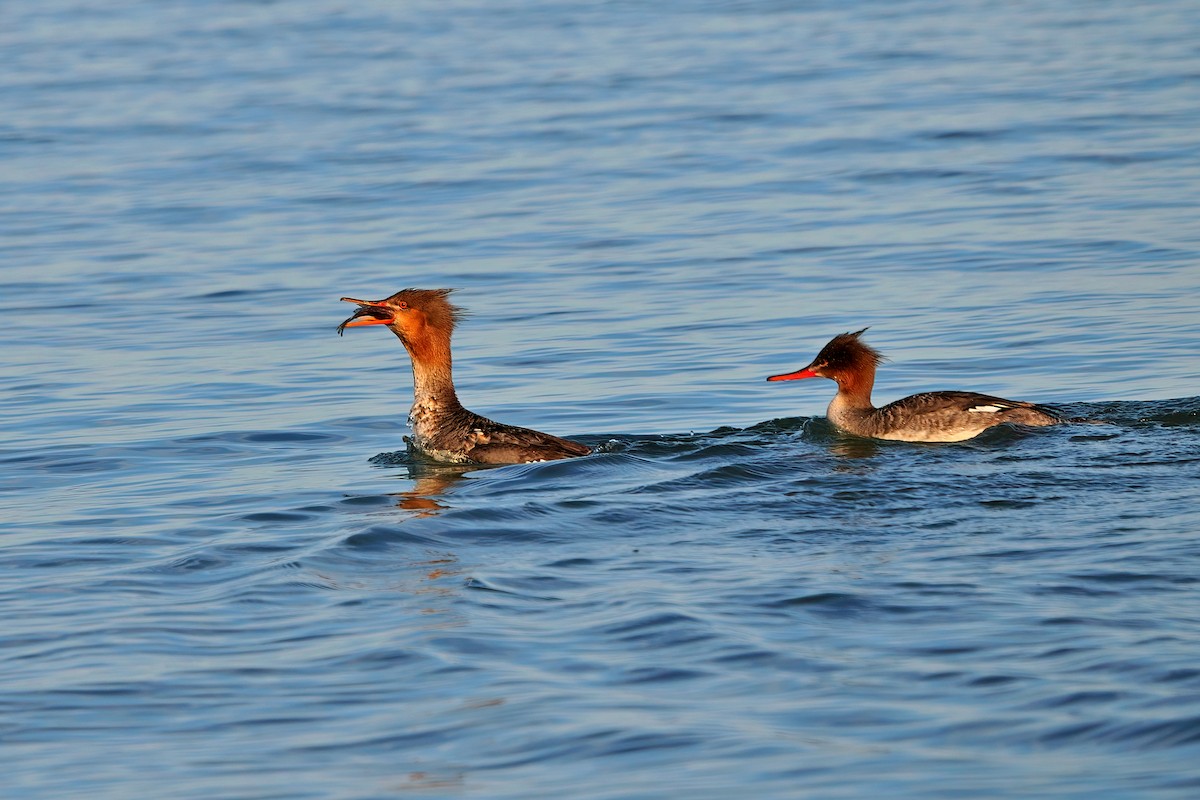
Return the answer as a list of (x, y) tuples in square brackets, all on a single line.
[(403, 306)]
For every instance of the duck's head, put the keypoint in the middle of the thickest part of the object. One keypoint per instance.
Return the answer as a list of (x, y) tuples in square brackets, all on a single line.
[(412, 314), (844, 358)]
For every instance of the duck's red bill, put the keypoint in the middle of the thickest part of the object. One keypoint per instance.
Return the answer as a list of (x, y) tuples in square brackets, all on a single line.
[(358, 323), (795, 376), (370, 312)]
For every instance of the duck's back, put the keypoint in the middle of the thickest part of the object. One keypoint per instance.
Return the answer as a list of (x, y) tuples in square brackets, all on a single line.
[(468, 438), (943, 417), (508, 444)]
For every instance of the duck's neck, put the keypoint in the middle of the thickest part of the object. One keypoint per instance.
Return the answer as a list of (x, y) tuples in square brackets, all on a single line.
[(854, 393), (434, 398)]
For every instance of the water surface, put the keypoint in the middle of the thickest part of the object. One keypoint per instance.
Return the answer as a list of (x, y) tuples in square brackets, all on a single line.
[(222, 578)]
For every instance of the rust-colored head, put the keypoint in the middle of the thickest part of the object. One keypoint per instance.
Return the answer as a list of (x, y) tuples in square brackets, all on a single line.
[(843, 358), (410, 313)]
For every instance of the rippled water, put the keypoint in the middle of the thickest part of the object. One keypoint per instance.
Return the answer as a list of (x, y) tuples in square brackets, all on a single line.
[(222, 578)]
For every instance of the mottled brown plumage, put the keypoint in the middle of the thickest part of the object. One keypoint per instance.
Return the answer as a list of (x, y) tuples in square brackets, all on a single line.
[(928, 417), (423, 320)]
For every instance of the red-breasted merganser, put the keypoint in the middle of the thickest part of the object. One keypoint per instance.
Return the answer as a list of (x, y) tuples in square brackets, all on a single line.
[(929, 417), (423, 320)]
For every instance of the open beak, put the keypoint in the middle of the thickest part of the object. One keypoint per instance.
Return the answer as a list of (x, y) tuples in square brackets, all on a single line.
[(370, 312), (795, 376)]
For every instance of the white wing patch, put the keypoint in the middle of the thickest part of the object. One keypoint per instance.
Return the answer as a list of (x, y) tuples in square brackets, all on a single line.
[(989, 409)]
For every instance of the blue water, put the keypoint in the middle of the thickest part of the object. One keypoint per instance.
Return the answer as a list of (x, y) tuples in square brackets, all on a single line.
[(220, 577)]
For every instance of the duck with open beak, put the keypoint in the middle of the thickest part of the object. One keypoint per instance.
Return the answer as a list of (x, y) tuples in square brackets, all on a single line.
[(423, 320)]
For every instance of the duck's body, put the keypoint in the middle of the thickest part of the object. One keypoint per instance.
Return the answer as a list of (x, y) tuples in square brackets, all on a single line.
[(928, 417), (423, 320)]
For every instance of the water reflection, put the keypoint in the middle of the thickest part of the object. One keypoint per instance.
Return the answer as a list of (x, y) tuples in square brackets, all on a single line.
[(432, 781), (430, 482), (854, 447)]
